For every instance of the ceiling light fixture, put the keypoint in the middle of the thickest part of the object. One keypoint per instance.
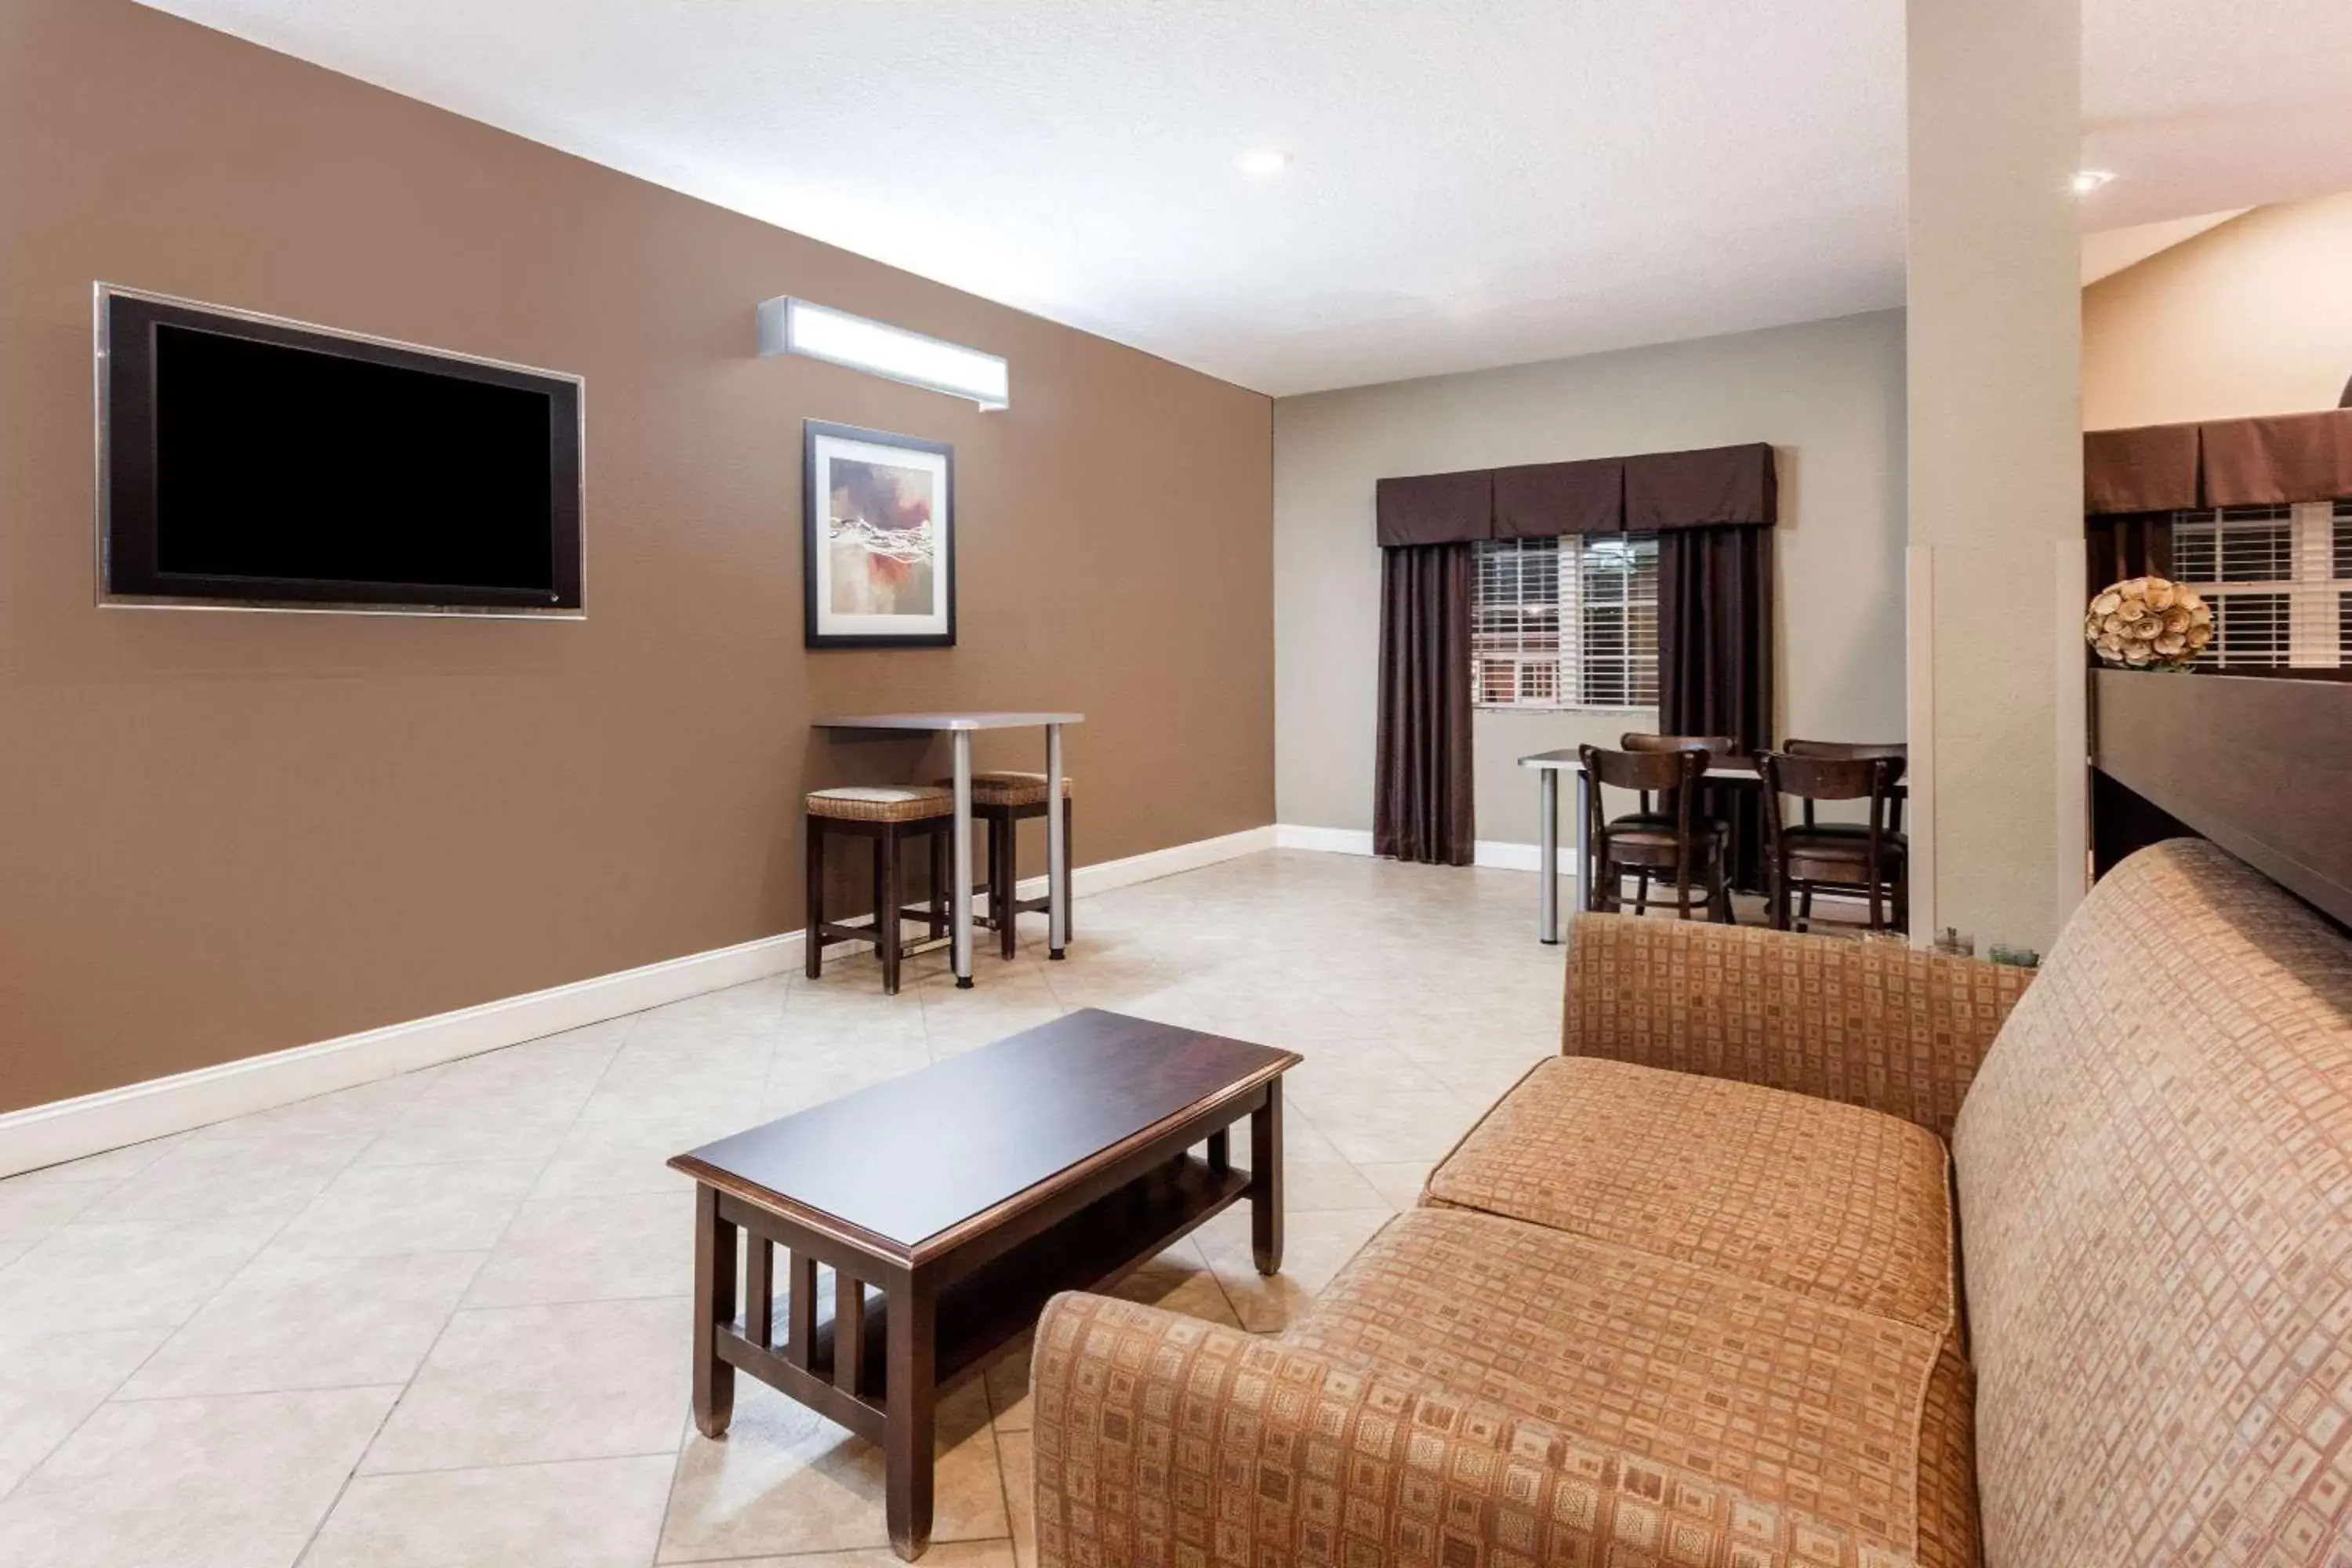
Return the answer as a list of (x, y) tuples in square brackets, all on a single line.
[(790, 326), (1261, 162), (2089, 180)]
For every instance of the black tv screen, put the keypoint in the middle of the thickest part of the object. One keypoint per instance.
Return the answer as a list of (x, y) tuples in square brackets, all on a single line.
[(253, 461)]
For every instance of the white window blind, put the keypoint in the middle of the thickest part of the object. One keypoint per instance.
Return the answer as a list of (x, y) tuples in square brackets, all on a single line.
[(1569, 622), (2279, 579)]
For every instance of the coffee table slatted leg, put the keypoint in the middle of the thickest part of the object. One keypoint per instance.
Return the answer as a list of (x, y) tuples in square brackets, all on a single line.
[(759, 1289), (799, 1310), (848, 1334), (1265, 1181), (714, 1309), (910, 1388)]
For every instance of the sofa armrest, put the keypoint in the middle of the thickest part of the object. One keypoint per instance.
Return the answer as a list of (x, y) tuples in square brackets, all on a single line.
[(1895, 1028), (1160, 1440)]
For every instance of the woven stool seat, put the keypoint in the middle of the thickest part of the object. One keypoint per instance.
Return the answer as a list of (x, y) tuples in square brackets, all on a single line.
[(881, 803), (1008, 788)]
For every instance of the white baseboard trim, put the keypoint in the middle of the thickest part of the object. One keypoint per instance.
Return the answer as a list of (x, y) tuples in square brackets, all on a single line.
[(1499, 853), (1331, 840), (65, 1129)]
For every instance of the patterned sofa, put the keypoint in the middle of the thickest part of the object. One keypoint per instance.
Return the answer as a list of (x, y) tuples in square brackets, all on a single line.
[(1689, 1294)]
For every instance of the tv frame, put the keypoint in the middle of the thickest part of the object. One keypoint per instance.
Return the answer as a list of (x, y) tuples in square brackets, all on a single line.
[(320, 596)]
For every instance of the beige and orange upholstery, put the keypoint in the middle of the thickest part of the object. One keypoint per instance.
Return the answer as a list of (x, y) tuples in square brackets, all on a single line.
[(1869, 1023), (1685, 1296), (1826, 1200)]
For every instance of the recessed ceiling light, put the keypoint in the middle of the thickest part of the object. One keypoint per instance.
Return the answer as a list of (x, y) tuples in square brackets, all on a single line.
[(2089, 180), (1261, 162)]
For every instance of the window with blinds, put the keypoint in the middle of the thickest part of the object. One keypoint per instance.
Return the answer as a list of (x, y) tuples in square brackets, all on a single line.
[(2279, 579), (1569, 622)]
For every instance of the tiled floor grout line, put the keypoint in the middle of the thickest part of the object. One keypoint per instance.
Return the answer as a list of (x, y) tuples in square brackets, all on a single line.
[(342, 1488), (1209, 950), (172, 1331)]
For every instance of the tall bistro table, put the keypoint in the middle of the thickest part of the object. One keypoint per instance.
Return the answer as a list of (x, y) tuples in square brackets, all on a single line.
[(1548, 766), (952, 1203), (959, 728)]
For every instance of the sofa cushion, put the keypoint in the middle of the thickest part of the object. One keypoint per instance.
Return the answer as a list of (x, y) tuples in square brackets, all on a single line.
[(1831, 1201), (1789, 1401), (2156, 1207)]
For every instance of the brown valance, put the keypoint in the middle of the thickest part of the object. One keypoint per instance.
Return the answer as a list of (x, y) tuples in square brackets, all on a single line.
[(1435, 508), (2151, 468), (2287, 458), (1541, 500), (1715, 488), (2272, 460)]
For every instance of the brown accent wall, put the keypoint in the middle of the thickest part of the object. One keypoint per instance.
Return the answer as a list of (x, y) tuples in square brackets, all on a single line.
[(224, 833)]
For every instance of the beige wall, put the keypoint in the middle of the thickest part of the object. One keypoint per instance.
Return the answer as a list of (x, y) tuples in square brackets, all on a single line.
[(224, 833), (1827, 394), (1996, 459), (2254, 317)]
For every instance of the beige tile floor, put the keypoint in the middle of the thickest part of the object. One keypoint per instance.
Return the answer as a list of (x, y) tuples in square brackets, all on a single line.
[(440, 1322)]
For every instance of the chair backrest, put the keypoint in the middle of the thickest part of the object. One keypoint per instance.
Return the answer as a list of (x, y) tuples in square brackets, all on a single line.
[(1657, 770), (1862, 749), (1828, 778), (2155, 1178), (1715, 746), (1858, 751)]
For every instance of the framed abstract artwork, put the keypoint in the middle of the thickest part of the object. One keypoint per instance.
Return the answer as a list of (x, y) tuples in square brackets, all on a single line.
[(878, 538)]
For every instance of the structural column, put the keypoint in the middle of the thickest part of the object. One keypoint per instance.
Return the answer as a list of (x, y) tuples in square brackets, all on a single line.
[(1995, 441)]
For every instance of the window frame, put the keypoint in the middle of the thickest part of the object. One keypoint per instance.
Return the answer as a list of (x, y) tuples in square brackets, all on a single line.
[(2316, 595), (1562, 666)]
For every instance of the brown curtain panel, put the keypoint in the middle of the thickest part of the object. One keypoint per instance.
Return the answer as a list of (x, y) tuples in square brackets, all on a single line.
[(2128, 544), (1420, 772), (1715, 663)]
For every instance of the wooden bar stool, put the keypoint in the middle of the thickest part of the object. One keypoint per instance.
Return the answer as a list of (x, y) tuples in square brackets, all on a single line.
[(889, 815), (1001, 798), (1870, 858), (1681, 844)]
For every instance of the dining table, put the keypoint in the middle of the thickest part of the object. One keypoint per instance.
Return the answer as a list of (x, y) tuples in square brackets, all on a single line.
[(959, 728), (1548, 767)]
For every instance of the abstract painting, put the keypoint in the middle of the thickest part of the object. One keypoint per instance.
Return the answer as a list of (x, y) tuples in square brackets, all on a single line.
[(878, 521)]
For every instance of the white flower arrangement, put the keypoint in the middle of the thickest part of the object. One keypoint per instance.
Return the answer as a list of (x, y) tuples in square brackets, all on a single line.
[(2147, 622)]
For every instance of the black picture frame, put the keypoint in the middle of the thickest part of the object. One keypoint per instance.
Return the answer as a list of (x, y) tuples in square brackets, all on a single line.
[(820, 625)]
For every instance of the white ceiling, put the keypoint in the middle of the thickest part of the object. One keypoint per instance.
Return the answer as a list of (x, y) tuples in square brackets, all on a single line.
[(1475, 181), (2202, 105)]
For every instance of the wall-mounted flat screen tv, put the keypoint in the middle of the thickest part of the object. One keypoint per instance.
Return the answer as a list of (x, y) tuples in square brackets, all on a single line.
[(249, 462)]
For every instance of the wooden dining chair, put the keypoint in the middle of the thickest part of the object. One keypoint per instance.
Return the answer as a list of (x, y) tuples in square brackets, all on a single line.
[(1678, 843), (1863, 750), (1715, 746), (1871, 858)]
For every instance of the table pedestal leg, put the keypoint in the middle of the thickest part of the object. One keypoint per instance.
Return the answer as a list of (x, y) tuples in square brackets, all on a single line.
[(961, 953), (1057, 849), (1265, 1181), (1583, 840), (1547, 854)]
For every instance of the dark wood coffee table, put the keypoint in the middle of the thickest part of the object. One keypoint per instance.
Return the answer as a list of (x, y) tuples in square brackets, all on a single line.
[(952, 1203)]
